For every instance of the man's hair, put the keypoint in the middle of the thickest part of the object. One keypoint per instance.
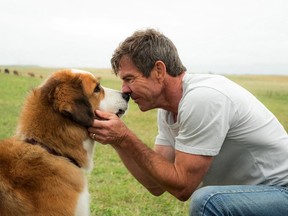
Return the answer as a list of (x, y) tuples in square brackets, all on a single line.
[(144, 48)]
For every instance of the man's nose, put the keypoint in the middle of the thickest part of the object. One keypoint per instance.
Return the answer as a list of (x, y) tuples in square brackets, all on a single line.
[(125, 89)]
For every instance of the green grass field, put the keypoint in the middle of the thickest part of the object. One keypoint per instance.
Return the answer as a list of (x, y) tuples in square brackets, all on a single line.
[(113, 190)]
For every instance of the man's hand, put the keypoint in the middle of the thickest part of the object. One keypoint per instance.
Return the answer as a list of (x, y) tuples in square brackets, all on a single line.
[(108, 128)]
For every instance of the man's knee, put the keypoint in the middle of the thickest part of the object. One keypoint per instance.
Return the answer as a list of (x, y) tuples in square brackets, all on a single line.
[(205, 201), (236, 200)]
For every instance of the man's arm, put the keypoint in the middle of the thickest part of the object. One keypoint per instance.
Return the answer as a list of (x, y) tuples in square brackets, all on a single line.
[(152, 186), (156, 170), (180, 178)]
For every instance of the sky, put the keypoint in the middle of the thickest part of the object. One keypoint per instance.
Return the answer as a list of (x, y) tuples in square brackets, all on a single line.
[(212, 36)]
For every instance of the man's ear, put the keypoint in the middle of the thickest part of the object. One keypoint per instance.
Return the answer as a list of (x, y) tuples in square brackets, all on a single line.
[(160, 70)]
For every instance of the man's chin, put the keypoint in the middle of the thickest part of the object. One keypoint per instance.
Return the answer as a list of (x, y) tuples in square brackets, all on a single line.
[(143, 108)]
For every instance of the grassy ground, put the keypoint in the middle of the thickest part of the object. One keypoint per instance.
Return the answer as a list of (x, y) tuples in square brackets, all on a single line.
[(270, 90), (113, 190)]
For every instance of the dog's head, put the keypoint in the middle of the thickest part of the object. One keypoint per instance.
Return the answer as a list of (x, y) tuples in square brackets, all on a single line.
[(77, 94), (58, 113)]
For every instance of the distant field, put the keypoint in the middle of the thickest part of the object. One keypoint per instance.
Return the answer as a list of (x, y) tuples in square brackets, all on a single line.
[(270, 90), (113, 190)]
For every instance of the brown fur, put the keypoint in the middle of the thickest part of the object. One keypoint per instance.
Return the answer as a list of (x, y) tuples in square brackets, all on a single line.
[(56, 114)]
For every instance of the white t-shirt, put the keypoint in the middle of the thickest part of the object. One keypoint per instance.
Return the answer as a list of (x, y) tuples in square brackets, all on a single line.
[(217, 117)]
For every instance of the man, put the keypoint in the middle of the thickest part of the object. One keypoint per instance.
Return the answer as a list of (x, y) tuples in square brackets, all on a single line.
[(213, 134)]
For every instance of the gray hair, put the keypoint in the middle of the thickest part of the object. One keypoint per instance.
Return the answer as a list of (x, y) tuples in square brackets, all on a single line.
[(144, 48)]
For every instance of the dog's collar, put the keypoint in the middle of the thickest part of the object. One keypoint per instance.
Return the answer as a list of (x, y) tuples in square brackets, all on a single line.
[(51, 151)]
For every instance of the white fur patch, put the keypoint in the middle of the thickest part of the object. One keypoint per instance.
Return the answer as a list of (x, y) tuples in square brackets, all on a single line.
[(89, 146), (113, 101), (83, 202)]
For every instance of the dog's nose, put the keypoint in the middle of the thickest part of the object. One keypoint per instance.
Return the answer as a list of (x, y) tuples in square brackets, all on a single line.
[(126, 96)]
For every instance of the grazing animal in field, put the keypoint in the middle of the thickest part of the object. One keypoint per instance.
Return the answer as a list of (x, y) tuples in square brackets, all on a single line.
[(6, 71), (31, 74), (16, 73)]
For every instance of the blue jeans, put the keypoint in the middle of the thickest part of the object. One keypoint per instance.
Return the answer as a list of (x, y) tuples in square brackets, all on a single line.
[(246, 200)]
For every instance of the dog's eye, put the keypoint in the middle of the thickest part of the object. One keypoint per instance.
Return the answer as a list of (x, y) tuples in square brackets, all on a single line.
[(97, 88)]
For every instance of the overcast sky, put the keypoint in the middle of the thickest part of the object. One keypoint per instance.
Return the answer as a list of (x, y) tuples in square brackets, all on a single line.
[(221, 36)]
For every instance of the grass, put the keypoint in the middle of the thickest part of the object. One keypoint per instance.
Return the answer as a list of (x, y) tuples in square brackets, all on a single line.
[(113, 191), (12, 92), (270, 90)]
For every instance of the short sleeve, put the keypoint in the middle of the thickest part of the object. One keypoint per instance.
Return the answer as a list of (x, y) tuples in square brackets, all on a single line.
[(204, 115), (165, 135)]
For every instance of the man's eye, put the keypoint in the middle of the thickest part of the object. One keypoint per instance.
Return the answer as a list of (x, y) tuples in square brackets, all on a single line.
[(129, 80), (97, 89)]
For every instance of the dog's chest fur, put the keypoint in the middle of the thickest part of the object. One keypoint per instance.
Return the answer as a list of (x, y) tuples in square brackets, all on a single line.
[(36, 182)]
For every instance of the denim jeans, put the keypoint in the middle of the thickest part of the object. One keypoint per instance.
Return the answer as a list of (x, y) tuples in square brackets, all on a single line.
[(246, 200)]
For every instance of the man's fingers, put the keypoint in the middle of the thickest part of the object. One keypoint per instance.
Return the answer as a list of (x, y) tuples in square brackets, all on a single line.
[(101, 115)]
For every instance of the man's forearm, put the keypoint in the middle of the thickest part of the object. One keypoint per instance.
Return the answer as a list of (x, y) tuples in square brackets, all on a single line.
[(138, 173), (151, 169), (180, 178)]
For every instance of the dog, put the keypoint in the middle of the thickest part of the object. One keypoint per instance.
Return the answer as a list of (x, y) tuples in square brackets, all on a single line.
[(42, 166)]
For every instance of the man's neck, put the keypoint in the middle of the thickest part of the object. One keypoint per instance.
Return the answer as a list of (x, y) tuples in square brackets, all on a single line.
[(173, 93)]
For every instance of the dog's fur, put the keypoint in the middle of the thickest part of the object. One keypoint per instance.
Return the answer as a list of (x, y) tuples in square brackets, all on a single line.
[(41, 168)]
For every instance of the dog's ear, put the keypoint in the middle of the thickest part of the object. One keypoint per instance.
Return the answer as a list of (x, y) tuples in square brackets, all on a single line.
[(71, 102), (68, 99), (79, 111)]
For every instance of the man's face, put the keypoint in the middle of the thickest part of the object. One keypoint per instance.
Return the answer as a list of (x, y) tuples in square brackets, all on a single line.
[(143, 90)]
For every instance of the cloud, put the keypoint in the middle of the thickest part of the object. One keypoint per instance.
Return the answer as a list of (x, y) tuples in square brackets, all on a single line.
[(85, 33)]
